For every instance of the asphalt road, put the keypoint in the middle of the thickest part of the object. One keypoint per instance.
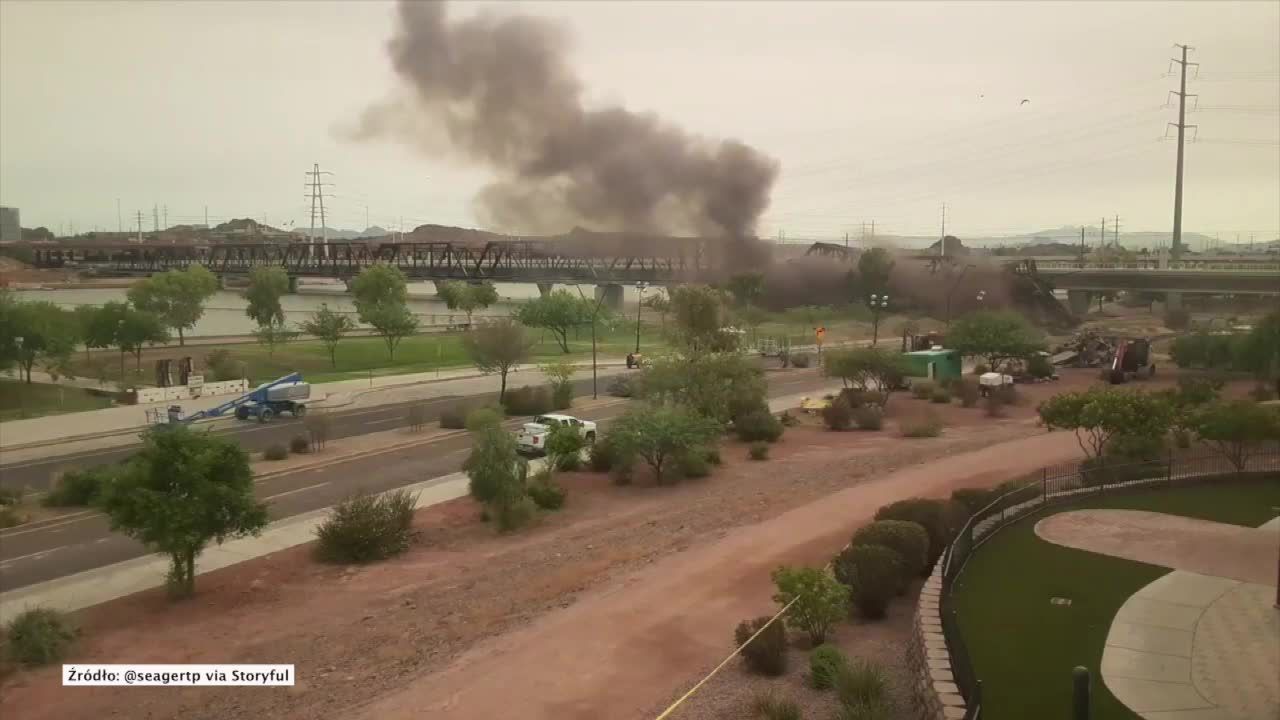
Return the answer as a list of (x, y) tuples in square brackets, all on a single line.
[(83, 541), (253, 436)]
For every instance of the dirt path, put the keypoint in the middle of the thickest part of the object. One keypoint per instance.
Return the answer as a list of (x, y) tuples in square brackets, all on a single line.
[(628, 644), (1172, 541)]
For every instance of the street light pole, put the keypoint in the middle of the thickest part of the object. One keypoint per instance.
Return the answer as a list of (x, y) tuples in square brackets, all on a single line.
[(641, 286), (878, 303)]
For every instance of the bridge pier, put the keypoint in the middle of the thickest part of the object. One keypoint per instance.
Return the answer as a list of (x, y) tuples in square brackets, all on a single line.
[(1173, 301), (610, 296), (1078, 301), (544, 289), (293, 284)]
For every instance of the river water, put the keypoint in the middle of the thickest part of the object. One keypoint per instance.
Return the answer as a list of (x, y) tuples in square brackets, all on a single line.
[(224, 312)]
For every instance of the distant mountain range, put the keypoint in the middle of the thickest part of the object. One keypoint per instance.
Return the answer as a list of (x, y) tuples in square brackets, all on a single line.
[(1070, 235), (336, 234)]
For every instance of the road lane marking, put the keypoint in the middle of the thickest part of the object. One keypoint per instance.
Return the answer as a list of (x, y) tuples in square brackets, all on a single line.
[(16, 533), (379, 422), (291, 492), (6, 563)]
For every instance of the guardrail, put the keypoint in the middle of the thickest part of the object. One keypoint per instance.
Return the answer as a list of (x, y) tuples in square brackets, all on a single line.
[(1057, 485)]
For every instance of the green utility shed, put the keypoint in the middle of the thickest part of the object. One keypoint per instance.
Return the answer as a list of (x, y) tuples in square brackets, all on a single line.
[(936, 364)]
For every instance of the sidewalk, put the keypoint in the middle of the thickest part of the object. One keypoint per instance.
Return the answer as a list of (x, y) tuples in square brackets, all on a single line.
[(103, 584), (127, 419)]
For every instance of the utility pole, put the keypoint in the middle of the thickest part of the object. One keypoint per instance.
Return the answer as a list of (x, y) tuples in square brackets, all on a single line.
[(1102, 234), (1081, 245), (166, 218), (206, 217), (873, 231), (1115, 230), (119, 219), (942, 241), (1176, 248), (155, 218), (139, 226)]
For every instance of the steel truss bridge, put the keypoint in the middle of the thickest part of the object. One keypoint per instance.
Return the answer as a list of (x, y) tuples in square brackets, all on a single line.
[(507, 261)]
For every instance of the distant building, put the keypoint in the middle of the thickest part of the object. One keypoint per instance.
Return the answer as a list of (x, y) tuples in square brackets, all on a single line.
[(10, 225)]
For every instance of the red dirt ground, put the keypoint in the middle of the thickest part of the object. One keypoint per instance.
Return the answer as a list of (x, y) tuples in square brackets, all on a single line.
[(600, 610)]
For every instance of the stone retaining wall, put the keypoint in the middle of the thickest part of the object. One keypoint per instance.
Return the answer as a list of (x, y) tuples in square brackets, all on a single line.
[(929, 662)]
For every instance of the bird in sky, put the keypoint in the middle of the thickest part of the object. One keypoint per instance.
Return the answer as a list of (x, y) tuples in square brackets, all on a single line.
[(1024, 102)]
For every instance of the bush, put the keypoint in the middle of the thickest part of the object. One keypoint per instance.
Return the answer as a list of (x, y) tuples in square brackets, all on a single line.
[(787, 419), (825, 663), (1008, 394), (926, 426), (769, 706), (365, 528), (602, 455), (9, 496), (1109, 471), (1039, 367), (909, 539), (857, 397), (562, 396), (874, 574), (767, 653), (869, 417), (941, 396), (922, 389), (454, 418), (1177, 318), (838, 415), (1261, 393), (528, 401), (981, 368), (484, 417), (878, 710), (222, 367), (9, 517), (969, 393), (973, 499), (275, 452), (693, 464), (1127, 448), (712, 455), (759, 451), (623, 386), (801, 360), (1181, 438), (417, 416), (941, 519), (546, 494), (514, 514), (758, 425), (820, 600), (319, 426), (861, 683), (38, 636), (78, 488), (300, 444), (993, 406), (564, 447)]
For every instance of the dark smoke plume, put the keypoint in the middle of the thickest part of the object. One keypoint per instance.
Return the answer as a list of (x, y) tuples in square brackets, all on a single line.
[(502, 91)]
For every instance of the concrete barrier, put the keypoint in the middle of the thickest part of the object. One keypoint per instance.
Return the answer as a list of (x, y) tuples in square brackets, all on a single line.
[(183, 392)]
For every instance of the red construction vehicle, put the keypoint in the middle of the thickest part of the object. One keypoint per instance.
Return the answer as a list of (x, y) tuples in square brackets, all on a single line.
[(1132, 360)]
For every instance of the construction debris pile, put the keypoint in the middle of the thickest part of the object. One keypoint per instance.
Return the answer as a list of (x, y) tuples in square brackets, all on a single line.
[(1086, 349)]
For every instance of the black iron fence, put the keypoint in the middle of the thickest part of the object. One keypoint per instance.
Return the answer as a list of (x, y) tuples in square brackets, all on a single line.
[(1063, 484)]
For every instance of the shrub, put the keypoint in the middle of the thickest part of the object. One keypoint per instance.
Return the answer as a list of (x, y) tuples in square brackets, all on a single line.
[(758, 425), (820, 600), (973, 499), (1038, 366), (969, 393), (1109, 471), (825, 663), (909, 539), (875, 710), (484, 417), (602, 455), (922, 389), (1261, 393), (564, 447), (9, 496), (712, 455), (1181, 438), (857, 397), (622, 386), (993, 406), (869, 417), (78, 488), (1177, 318), (767, 653), (693, 464), (9, 517), (1008, 394), (926, 426), (528, 401), (38, 636), (941, 396), (981, 368), (861, 683), (513, 514), (275, 452), (769, 706), (300, 444), (365, 528), (319, 427), (454, 418), (417, 416), (838, 415), (874, 574), (546, 494), (221, 366), (941, 519), (787, 419), (562, 396), (1127, 448), (801, 360), (759, 451)]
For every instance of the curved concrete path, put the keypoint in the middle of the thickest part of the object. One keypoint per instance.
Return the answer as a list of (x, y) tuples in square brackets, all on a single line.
[(1201, 643)]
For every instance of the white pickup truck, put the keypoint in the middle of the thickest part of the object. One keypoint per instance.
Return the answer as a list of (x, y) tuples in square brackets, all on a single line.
[(532, 438)]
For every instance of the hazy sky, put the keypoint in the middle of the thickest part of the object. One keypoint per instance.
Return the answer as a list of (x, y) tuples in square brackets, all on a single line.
[(876, 111)]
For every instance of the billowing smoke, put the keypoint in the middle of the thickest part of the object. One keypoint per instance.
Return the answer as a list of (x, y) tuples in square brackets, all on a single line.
[(501, 90)]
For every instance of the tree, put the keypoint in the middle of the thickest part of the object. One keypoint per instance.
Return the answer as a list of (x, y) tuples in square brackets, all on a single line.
[(329, 327), (85, 316), (1236, 428), (32, 332), (659, 433), (382, 301), (177, 297), (1259, 352), (467, 297), (558, 311), (719, 386), (994, 335), (874, 268), (746, 288), (134, 329), (274, 334), (497, 346), (1099, 416), (267, 284), (498, 475), (661, 304), (868, 369), (820, 601), (700, 319), (560, 377), (181, 491)]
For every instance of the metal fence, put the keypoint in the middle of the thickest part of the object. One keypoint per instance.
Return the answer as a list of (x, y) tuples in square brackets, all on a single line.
[(1058, 485)]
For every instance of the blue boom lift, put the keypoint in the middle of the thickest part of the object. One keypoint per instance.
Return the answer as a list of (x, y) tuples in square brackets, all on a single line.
[(286, 394)]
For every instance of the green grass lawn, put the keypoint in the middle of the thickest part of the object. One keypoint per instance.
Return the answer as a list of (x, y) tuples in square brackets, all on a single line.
[(1022, 647), (19, 400)]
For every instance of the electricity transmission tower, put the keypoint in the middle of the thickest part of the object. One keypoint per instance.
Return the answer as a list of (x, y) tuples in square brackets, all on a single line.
[(1176, 248), (316, 185)]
